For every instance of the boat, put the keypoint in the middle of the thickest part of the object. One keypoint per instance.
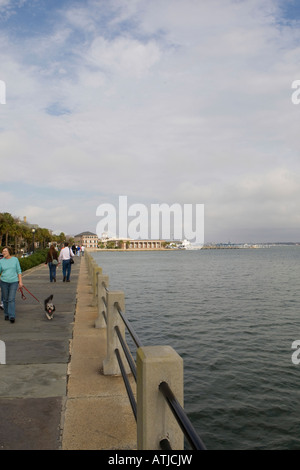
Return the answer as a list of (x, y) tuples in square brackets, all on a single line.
[(187, 245)]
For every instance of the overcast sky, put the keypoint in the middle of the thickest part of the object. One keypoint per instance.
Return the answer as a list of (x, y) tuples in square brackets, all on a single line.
[(163, 101)]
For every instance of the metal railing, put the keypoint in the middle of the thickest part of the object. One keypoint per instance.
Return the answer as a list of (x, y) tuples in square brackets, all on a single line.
[(164, 388), (179, 413), (181, 417)]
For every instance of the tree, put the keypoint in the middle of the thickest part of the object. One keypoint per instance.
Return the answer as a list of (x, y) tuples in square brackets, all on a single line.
[(61, 237), (13, 231), (27, 235), (6, 223), (43, 236)]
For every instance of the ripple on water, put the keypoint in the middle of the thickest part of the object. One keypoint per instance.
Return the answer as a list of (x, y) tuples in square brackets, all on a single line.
[(232, 315)]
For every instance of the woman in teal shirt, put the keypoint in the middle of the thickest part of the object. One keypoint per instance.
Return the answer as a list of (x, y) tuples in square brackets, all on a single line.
[(11, 279)]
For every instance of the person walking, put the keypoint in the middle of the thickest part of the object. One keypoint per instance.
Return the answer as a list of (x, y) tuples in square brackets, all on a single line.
[(65, 256), (52, 261), (11, 280)]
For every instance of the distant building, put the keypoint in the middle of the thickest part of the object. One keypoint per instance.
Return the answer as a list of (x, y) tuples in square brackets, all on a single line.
[(91, 240), (86, 239), (146, 244)]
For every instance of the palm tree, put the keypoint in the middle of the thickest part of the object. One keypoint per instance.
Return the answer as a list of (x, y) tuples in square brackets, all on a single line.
[(12, 227), (13, 233), (23, 230), (43, 236), (27, 236), (6, 223)]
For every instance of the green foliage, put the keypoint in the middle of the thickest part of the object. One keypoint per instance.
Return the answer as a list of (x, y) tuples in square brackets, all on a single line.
[(39, 257), (18, 235), (111, 244)]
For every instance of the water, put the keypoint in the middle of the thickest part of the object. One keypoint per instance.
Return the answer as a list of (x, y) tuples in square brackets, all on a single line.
[(232, 315)]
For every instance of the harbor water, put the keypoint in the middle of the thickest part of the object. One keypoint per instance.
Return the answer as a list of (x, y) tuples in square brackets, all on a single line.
[(232, 315)]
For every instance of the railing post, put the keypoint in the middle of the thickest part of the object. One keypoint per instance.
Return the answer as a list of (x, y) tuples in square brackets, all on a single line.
[(155, 420), (102, 282), (95, 270), (90, 265), (110, 363), (89, 260)]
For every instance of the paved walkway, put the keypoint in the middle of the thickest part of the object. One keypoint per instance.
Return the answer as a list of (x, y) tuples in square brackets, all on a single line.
[(52, 393)]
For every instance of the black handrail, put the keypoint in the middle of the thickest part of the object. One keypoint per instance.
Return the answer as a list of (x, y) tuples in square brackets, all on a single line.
[(133, 335), (181, 417), (127, 353), (165, 444), (127, 384), (103, 312), (104, 301), (179, 413)]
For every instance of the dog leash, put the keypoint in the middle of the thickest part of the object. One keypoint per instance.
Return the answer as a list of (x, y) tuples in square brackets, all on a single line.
[(24, 297)]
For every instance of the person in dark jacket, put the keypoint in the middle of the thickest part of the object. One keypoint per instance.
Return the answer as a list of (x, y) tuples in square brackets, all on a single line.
[(52, 261)]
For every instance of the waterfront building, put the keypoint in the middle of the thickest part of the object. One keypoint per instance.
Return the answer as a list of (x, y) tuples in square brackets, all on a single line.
[(146, 244), (91, 240), (86, 239)]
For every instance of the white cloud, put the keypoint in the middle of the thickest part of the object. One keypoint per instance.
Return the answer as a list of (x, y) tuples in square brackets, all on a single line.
[(123, 56), (176, 101), (4, 3)]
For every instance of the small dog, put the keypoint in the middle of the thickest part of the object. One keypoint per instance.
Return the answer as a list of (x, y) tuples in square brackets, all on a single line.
[(49, 307)]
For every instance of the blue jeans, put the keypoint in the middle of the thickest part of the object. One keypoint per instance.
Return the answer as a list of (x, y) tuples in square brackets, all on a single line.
[(52, 271), (66, 269), (8, 290)]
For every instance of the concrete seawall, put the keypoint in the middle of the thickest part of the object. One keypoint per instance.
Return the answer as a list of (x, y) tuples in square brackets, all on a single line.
[(98, 415), (52, 393)]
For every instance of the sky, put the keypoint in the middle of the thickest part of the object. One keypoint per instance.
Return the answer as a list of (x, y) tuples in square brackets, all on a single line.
[(162, 101)]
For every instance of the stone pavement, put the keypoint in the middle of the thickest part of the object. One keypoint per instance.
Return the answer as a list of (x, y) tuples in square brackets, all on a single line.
[(52, 393), (33, 381)]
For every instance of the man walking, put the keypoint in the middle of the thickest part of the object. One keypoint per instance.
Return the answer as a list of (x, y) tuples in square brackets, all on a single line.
[(65, 257)]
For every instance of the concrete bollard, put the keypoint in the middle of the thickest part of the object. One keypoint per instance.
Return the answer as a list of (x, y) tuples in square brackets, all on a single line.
[(95, 272), (155, 420), (110, 363), (92, 265), (90, 261), (102, 282)]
